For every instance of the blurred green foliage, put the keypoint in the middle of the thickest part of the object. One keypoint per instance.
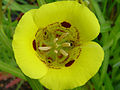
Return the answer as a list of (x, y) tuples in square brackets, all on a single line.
[(108, 13)]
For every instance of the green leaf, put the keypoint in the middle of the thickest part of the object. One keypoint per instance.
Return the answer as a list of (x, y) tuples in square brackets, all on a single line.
[(108, 83), (117, 87), (104, 68), (18, 7), (5, 40), (35, 84), (10, 69)]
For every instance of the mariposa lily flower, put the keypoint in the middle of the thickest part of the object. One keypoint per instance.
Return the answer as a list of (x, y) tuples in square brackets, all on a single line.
[(53, 44)]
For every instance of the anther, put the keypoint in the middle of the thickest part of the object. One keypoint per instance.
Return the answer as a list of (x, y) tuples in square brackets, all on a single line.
[(55, 40), (63, 35), (44, 48), (66, 44), (56, 51), (63, 52)]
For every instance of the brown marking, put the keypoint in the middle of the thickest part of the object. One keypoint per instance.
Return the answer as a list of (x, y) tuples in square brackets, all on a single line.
[(54, 67), (49, 61), (43, 45), (66, 24), (60, 30), (71, 44), (53, 23), (43, 61), (37, 32), (45, 33), (57, 35), (60, 56), (65, 59), (34, 45), (38, 44), (79, 53), (78, 36), (50, 58), (69, 63)]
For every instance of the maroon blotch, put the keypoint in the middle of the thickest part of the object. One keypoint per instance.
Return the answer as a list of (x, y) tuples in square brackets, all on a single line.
[(69, 63), (66, 24), (34, 44), (50, 58), (45, 33)]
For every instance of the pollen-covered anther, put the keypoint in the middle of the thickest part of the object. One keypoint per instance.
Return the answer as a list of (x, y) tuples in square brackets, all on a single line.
[(66, 44), (56, 51), (63, 52), (55, 40), (63, 35), (44, 48)]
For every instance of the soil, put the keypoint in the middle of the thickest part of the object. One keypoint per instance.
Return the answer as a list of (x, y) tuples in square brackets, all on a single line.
[(3, 83)]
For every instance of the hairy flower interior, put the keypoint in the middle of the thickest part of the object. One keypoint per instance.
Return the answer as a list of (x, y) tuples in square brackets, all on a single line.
[(57, 44)]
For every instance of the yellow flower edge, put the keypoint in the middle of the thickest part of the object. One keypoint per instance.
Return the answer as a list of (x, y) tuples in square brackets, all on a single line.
[(22, 44), (79, 73), (91, 55), (73, 12)]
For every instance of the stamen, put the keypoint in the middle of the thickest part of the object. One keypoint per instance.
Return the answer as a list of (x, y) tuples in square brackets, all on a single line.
[(63, 52), (56, 51), (57, 45), (63, 35), (44, 48), (55, 40), (66, 44)]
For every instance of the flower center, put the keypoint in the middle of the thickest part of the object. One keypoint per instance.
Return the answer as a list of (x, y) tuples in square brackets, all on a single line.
[(57, 44)]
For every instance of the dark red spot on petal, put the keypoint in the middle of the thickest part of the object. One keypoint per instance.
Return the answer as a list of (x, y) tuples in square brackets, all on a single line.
[(45, 33), (34, 44), (60, 56), (49, 61), (66, 24), (60, 30), (69, 63), (57, 35), (50, 58)]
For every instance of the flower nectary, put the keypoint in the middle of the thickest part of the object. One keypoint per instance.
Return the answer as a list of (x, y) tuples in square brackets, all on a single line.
[(57, 44)]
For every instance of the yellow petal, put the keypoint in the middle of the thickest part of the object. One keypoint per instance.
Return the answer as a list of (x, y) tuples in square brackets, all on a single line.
[(76, 14), (86, 66), (25, 55)]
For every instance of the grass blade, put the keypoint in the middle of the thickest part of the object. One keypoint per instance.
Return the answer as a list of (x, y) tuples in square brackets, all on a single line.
[(35, 84), (10, 69)]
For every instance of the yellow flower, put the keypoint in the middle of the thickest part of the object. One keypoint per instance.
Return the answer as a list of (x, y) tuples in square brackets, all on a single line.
[(53, 44)]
